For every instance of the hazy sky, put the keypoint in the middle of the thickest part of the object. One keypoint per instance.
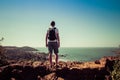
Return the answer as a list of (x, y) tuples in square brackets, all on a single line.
[(81, 23)]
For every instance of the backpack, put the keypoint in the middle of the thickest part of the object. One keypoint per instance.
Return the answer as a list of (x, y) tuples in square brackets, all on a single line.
[(52, 34)]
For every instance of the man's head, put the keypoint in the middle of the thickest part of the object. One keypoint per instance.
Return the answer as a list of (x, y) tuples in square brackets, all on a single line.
[(53, 23)]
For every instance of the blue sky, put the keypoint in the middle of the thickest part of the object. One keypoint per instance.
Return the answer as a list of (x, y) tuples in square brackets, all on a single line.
[(81, 23)]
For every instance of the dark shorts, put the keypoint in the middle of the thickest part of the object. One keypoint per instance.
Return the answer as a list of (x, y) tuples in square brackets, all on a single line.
[(53, 46)]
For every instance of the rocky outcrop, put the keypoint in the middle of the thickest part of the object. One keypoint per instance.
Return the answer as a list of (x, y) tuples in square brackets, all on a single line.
[(37, 70), (19, 72)]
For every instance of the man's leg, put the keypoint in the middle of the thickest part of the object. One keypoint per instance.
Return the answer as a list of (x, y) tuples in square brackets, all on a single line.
[(50, 52), (56, 52), (56, 58), (50, 59)]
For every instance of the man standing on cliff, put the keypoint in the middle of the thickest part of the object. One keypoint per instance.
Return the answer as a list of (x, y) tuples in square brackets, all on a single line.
[(53, 42)]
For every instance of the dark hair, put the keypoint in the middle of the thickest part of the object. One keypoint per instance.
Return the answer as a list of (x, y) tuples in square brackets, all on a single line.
[(53, 23)]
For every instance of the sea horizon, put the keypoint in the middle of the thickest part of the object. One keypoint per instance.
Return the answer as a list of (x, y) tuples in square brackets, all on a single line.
[(82, 54)]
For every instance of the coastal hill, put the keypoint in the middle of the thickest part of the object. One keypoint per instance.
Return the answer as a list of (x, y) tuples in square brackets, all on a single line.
[(39, 69), (25, 48), (23, 53)]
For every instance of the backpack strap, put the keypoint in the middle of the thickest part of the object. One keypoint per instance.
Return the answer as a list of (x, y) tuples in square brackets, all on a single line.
[(52, 28)]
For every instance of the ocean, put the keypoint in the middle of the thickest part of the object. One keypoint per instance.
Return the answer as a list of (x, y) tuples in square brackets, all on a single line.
[(82, 54)]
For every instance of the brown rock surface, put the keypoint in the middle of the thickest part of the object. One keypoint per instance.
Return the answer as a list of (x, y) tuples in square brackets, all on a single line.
[(37, 70)]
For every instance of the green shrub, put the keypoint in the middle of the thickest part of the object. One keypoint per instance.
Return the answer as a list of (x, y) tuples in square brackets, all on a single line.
[(3, 60), (115, 74)]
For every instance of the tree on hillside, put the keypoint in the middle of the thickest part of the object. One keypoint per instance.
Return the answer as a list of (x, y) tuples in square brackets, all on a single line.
[(1, 40)]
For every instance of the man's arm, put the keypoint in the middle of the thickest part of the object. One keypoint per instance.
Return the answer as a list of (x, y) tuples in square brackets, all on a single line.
[(58, 39), (46, 39)]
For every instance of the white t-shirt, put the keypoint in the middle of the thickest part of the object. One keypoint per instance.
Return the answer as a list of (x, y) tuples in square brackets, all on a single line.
[(56, 30)]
